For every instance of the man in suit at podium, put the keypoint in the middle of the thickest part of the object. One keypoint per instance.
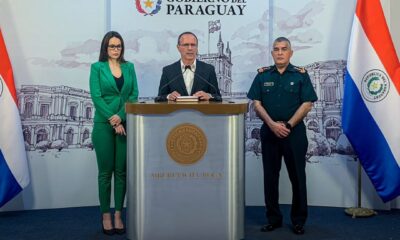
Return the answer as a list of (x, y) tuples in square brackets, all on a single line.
[(188, 76)]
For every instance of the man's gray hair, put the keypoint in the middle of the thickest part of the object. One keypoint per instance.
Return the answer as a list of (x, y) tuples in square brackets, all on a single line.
[(282, 39)]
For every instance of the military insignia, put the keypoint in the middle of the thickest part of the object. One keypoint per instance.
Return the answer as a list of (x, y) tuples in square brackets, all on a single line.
[(148, 4), (268, 84), (263, 69), (301, 69)]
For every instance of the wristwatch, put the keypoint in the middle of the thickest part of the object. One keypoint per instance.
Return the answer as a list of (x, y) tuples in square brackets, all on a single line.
[(288, 126)]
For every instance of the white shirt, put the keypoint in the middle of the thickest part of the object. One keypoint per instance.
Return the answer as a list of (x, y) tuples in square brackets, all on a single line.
[(188, 76)]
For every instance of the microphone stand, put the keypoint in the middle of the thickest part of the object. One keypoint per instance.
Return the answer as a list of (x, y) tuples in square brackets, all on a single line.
[(160, 98), (359, 211), (217, 98)]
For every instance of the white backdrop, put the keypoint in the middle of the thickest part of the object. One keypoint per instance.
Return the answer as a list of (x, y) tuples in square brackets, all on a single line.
[(52, 43)]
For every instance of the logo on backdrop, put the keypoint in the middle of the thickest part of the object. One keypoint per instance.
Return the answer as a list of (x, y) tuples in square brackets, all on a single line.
[(192, 7), (186, 144), (375, 85), (148, 7)]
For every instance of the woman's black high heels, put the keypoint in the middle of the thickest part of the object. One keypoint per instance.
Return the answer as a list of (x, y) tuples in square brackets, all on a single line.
[(108, 232)]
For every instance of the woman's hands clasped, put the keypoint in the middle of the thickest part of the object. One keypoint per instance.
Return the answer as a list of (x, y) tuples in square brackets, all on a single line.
[(119, 129), (115, 122)]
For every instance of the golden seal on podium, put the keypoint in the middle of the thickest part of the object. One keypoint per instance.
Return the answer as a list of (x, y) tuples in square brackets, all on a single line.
[(186, 144)]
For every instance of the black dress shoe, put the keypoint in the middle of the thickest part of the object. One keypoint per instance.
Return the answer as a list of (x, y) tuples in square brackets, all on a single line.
[(119, 231), (298, 229), (270, 227)]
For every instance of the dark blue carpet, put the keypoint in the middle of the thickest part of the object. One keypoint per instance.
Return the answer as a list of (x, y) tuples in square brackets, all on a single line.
[(324, 223)]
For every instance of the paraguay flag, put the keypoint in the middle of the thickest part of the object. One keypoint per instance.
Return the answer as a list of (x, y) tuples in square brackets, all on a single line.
[(371, 102), (14, 174)]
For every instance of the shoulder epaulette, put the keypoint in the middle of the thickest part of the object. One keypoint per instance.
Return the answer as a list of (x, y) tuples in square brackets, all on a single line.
[(300, 69), (263, 69)]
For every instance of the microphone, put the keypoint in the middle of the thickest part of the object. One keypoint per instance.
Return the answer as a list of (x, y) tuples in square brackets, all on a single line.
[(160, 98), (217, 96)]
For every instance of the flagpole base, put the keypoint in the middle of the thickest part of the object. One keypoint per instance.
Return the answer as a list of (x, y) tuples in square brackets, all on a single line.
[(356, 212)]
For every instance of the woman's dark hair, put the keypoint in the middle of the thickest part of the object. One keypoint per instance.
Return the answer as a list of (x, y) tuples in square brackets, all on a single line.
[(104, 46)]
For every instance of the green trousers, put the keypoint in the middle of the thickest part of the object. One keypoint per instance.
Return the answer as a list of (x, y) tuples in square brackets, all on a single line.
[(110, 151)]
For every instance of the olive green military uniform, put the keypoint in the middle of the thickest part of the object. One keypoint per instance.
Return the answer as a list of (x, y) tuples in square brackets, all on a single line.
[(281, 95)]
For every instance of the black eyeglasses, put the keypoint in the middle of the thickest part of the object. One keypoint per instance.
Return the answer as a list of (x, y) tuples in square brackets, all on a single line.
[(187, 45), (115, 47)]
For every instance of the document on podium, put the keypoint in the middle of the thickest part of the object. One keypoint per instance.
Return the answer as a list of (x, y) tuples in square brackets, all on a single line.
[(187, 99)]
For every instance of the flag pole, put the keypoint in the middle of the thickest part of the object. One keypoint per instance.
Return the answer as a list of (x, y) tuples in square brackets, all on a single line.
[(359, 211), (208, 38)]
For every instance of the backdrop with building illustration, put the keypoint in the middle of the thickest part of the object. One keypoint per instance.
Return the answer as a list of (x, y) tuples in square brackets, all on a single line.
[(52, 70)]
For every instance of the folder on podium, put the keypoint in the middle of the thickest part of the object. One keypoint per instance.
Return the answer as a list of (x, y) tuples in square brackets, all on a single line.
[(185, 170)]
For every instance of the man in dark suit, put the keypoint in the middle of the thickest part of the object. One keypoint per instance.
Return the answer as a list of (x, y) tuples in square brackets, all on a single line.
[(188, 76)]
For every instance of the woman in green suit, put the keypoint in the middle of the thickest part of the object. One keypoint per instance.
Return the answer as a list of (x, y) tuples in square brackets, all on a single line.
[(112, 84)]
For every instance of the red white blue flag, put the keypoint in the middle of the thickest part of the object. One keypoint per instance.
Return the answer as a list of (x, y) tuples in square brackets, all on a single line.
[(371, 103), (14, 174)]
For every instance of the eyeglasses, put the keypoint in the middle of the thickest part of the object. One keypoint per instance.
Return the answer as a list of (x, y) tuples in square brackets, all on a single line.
[(187, 45), (115, 47)]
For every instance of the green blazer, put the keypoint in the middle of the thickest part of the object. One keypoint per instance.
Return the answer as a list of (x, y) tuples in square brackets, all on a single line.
[(107, 99)]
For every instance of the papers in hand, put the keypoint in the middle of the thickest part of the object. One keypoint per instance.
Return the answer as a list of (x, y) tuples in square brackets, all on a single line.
[(187, 99)]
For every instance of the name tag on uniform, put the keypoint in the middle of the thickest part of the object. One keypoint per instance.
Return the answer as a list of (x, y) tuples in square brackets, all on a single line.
[(268, 84)]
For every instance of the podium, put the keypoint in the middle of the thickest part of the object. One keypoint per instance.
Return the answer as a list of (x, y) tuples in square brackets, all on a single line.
[(185, 170)]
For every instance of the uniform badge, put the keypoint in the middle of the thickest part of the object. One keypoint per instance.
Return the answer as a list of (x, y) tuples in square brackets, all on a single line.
[(291, 83), (268, 84)]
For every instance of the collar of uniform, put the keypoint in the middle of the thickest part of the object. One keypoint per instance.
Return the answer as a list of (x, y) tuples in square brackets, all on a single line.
[(289, 68), (192, 67)]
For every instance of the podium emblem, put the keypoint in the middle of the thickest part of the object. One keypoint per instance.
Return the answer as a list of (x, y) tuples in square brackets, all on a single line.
[(186, 144)]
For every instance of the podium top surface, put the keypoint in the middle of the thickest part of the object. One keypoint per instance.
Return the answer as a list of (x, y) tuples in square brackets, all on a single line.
[(151, 107)]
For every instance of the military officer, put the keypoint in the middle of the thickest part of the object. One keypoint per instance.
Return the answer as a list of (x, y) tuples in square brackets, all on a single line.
[(282, 96)]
